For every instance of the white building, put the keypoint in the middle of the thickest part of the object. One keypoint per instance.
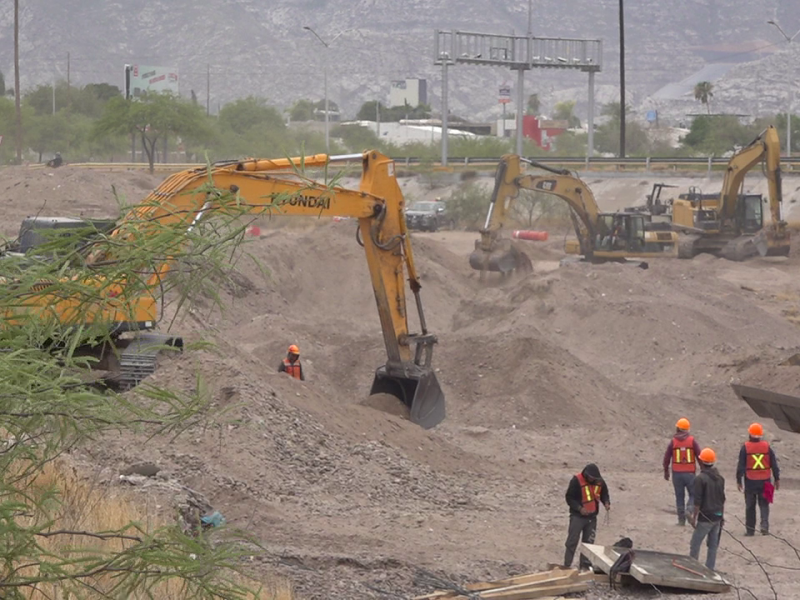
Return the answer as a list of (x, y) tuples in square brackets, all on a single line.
[(408, 132), (408, 91)]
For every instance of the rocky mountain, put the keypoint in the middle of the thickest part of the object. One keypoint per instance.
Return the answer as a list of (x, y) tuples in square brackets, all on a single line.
[(241, 47)]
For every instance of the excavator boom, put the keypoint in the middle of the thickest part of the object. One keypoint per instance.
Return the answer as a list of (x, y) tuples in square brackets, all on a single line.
[(279, 187)]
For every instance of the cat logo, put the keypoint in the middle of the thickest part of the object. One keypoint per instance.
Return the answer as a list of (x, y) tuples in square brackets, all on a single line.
[(548, 185)]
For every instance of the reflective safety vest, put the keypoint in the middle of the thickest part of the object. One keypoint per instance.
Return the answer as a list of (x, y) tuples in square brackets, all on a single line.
[(683, 455), (590, 494), (292, 368), (757, 466)]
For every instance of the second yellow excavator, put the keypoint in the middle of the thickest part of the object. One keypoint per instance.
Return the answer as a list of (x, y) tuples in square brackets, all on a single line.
[(600, 236), (257, 186), (731, 224)]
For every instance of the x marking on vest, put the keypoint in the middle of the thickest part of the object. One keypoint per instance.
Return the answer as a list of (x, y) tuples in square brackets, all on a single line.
[(758, 461)]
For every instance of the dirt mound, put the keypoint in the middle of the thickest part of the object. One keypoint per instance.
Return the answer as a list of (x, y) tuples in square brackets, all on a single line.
[(542, 373), (66, 192)]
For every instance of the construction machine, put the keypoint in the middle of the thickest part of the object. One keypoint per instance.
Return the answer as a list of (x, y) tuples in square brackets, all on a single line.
[(269, 187), (778, 402), (731, 224), (601, 237), (654, 205)]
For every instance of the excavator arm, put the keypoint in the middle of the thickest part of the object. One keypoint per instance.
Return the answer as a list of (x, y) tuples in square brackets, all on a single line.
[(278, 187), (492, 252)]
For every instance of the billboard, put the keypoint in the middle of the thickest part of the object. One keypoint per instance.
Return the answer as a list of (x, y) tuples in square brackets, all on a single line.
[(504, 94), (146, 78)]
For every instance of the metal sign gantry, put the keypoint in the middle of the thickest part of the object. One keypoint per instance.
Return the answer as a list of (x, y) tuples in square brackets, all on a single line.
[(518, 53)]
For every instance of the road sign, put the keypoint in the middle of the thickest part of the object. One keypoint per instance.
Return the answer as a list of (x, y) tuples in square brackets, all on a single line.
[(504, 97), (651, 116), (141, 79)]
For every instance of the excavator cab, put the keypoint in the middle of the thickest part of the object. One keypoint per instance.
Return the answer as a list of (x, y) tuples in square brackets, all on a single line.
[(751, 215)]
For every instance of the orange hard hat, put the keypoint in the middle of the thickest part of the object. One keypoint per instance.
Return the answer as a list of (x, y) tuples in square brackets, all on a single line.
[(293, 349), (708, 456), (756, 430), (682, 424)]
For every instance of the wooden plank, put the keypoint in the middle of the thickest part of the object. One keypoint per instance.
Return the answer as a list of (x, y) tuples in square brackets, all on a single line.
[(536, 584), (537, 592), (529, 578)]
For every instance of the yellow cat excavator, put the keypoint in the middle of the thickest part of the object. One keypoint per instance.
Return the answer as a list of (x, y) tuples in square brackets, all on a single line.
[(730, 224), (601, 237), (263, 186)]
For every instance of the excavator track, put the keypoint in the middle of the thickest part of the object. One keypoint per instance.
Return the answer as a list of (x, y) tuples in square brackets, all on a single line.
[(138, 359), (739, 249)]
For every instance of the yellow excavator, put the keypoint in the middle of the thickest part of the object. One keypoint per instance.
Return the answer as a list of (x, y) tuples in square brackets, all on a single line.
[(263, 186), (601, 237), (731, 224)]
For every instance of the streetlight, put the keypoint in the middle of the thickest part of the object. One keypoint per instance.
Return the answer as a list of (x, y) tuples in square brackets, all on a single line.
[(789, 40), (325, 78)]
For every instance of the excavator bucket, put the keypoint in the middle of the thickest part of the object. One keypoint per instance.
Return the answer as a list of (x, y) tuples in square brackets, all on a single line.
[(418, 388), (504, 257), (782, 408)]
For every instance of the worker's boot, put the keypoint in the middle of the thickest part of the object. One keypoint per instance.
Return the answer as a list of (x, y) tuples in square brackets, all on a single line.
[(682, 521)]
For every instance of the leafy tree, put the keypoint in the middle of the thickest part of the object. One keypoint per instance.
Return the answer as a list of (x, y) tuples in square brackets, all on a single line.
[(302, 110), (356, 138), (2, 84), (244, 114), (40, 98), (102, 91), (703, 92), (780, 124), (607, 135), (369, 111), (152, 118), (47, 409), (468, 205), (563, 111), (720, 134), (49, 133), (533, 105)]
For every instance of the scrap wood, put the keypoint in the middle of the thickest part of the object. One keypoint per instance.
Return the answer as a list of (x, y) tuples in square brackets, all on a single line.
[(547, 584), (529, 578)]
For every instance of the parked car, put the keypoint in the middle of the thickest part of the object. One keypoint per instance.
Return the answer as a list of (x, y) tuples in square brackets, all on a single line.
[(428, 216)]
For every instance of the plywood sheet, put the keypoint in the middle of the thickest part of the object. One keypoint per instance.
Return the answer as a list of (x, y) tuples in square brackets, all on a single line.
[(660, 568)]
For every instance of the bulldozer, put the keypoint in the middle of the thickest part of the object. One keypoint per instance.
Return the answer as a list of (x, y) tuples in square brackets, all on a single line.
[(258, 186), (601, 237)]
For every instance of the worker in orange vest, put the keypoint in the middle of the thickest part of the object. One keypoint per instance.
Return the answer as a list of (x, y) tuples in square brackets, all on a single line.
[(682, 453), (586, 492), (291, 364), (757, 465)]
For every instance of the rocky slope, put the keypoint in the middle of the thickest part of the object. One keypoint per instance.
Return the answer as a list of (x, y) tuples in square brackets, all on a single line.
[(253, 47)]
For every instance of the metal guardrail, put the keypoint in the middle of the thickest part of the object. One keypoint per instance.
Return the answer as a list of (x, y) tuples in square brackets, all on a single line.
[(646, 163)]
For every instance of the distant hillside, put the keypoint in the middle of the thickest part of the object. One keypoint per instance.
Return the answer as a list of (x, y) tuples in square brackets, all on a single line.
[(259, 47)]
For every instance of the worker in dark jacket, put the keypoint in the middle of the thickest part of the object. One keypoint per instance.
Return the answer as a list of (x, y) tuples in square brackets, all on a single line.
[(586, 492), (291, 364), (682, 452), (757, 465), (709, 508)]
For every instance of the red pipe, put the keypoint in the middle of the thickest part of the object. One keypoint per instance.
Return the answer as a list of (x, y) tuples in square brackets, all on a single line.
[(532, 236)]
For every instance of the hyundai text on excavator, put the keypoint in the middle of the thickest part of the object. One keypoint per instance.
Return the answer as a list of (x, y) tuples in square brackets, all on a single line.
[(731, 224), (264, 186), (601, 237)]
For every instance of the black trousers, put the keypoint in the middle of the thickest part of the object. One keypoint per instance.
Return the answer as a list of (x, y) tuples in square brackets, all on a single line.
[(581, 529), (751, 499)]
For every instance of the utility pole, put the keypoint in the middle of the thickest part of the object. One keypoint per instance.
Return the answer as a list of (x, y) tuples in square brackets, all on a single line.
[(445, 110), (208, 89), (68, 80), (378, 118), (17, 107), (790, 97), (325, 79), (621, 80), (54, 94)]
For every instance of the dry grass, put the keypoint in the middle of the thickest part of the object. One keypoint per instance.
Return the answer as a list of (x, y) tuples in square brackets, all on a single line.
[(84, 507)]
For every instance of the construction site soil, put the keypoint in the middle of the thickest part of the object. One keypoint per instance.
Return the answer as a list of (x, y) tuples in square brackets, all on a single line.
[(543, 373)]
